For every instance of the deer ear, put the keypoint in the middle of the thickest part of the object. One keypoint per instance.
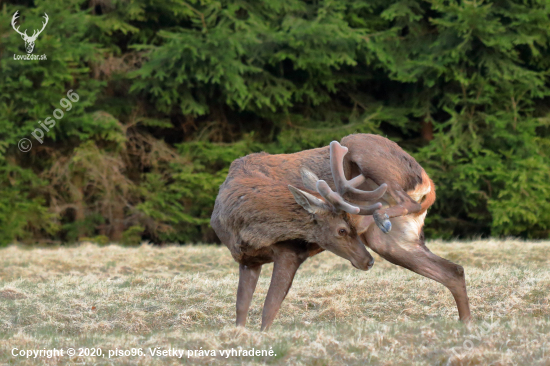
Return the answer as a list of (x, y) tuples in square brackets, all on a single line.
[(309, 202), (309, 179)]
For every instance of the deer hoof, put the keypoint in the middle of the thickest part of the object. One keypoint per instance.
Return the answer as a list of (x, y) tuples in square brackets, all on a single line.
[(383, 222)]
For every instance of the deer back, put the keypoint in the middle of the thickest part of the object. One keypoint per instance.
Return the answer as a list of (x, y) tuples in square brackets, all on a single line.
[(383, 161), (255, 209)]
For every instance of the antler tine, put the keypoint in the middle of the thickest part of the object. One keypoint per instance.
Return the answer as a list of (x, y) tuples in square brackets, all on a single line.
[(343, 186), (339, 203), (312, 182), (335, 199), (357, 181)]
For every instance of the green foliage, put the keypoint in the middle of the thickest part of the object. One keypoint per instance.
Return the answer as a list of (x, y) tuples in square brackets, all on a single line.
[(170, 93), (23, 215), (132, 236), (181, 196)]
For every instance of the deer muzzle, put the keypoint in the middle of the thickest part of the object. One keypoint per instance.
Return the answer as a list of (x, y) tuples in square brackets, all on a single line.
[(363, 263)]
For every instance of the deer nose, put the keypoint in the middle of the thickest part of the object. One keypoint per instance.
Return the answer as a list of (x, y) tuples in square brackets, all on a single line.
[(371, 262), (365, 265)]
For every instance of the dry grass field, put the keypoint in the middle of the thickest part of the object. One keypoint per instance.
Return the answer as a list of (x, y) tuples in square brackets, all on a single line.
[(113, 297)]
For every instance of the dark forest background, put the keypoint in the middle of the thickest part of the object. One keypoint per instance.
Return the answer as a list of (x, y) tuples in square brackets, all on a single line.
[(170, 92)]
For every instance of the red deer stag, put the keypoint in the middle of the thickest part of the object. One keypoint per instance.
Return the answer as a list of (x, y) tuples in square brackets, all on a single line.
[(373, 161), (263, 219)]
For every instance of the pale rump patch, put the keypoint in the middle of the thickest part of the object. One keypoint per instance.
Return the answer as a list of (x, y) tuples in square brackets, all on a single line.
[(415, 222), (421, 190), (406, 230)]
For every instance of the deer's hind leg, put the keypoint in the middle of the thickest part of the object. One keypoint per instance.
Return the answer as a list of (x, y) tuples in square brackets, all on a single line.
[(404, 205), (248, 279)]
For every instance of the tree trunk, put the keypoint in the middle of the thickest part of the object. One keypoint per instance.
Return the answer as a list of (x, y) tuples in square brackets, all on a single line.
[(427, 130)]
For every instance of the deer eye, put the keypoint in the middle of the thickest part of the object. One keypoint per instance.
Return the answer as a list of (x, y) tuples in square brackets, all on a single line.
[(342, 232)]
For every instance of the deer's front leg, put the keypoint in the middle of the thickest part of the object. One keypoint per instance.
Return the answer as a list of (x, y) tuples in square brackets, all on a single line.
[(248, 278), (285, 266)]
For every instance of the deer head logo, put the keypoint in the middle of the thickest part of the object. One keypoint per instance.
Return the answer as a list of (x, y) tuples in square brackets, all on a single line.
[(29, 41)]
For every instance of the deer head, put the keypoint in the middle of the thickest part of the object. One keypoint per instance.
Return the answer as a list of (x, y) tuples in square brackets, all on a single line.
[(336, 229), (29, 40)]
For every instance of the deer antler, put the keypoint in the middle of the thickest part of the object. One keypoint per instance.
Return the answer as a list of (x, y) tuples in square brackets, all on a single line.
[(13, 25), (343, 186)]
